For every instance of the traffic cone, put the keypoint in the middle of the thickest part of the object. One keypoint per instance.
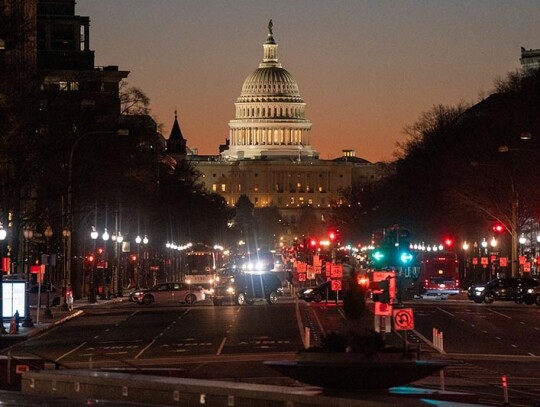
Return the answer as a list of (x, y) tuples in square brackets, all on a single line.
[(13, 328)]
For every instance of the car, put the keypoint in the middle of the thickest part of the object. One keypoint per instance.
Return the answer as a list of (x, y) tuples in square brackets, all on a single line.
[(321, 292), (532, 296), (504, 289), (169, 293), (246, 288)]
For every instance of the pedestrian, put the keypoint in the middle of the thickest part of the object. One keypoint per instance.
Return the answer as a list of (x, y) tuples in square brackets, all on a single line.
[(69, 298), (17, 317)]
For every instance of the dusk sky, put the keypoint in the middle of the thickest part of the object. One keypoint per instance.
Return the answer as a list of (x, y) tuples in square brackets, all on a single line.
[(365, 69)]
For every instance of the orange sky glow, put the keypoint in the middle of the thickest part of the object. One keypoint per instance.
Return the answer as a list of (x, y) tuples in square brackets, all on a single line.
[(365, 69)]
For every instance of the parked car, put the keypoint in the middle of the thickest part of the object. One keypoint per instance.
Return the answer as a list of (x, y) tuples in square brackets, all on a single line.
[(169, 293), (321, 292), (246, 288), (532, 296), (505, 289)]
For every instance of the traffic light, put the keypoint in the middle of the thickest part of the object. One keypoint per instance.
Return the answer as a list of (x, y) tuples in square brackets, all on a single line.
[(498, 228), (333, 235), (448, 242), (378, 257), (90, 258), (133, 257), (405, 258)]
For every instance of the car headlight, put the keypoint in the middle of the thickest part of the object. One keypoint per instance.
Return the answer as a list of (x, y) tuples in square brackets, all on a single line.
[(309, 290), (479, 289), (230, 290), (530, 290), (137, 293)]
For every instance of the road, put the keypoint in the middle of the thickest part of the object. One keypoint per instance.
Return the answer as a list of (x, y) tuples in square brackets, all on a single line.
[(481, 342)]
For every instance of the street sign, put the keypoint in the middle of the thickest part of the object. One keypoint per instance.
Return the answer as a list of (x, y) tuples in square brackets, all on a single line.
[(383, 309), (475, 261), (503, 261), (336, 285), (337, 271), (317, 269), (403, 319), (485, 261), (301, 276)]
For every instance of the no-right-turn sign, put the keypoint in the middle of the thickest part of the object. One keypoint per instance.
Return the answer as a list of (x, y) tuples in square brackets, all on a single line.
[(403, 319)]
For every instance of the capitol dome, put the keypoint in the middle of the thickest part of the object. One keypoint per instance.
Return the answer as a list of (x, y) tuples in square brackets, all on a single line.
[(269, 120)]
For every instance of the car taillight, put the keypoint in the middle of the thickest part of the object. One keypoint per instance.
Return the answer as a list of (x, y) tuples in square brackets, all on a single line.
[(457, 283), (426, 283)]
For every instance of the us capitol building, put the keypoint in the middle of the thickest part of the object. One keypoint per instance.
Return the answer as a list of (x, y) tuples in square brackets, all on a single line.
[(268, 155)]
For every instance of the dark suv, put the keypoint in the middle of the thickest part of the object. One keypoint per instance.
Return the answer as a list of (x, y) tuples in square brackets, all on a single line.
[(506, 289), (246, 288)]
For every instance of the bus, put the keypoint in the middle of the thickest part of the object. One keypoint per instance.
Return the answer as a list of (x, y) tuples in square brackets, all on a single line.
[(199, 266), (437, 273)]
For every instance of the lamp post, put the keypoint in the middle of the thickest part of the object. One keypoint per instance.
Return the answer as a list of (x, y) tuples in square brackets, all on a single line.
[(104, 292), (3, 235), (92, 296), (66, 276), (138, 240), (48, 235), (465, 248), (118, 275), (27, 234)]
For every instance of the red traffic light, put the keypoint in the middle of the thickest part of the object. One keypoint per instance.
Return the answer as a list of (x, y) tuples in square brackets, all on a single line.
[(133, 257), (448, 242), (332, 235), (498, 228), (90, 258), (100, 250), (313, 243)]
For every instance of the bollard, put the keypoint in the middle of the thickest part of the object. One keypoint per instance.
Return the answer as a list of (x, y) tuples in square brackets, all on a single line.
[(505, 389), (307, 334), (443, 384)]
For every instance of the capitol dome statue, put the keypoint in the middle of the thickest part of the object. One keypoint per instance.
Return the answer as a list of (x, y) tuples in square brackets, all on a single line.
[(270, 114)]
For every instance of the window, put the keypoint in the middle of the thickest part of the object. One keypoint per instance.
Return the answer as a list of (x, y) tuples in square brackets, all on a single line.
[(256, 188), (214, 187), (223, 187)]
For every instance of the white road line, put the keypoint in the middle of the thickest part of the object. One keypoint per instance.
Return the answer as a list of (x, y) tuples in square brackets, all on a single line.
[(299, 321), (498, 313), (145, 348), (221, 345), (71, 351), (445, 311)]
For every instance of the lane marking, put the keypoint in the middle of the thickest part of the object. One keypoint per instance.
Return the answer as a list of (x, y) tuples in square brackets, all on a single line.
[(222, 344), (498, 313), (145, 348), (445, 311), (71, 351)]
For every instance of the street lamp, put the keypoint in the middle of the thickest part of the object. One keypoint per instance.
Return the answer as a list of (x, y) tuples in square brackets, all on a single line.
[(48, 235), (92, 297), (66, 234), (118, 277), (105, 236), (27, 234), (3, 235)]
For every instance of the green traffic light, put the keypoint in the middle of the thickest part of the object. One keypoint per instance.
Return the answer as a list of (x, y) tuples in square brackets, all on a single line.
[(378, 256), (406, 257)]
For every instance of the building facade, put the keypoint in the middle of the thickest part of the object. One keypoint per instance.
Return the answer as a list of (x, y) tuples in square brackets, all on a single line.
[(268, 156)]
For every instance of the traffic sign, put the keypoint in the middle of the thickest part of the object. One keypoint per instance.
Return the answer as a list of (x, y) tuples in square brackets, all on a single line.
[(337, 271), (383, 309), (503, 261), (403, 319), (336, 285)]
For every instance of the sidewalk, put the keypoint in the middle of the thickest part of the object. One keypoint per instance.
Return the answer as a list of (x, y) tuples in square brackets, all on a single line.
[(59, 316)]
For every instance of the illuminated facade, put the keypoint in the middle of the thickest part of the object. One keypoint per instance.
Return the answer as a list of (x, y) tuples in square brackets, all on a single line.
[(268, 156)]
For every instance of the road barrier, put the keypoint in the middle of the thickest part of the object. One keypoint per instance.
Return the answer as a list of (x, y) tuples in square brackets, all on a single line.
[(438, 340)]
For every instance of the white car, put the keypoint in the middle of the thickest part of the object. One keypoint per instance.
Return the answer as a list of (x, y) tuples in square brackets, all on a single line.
[(169, 293)]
